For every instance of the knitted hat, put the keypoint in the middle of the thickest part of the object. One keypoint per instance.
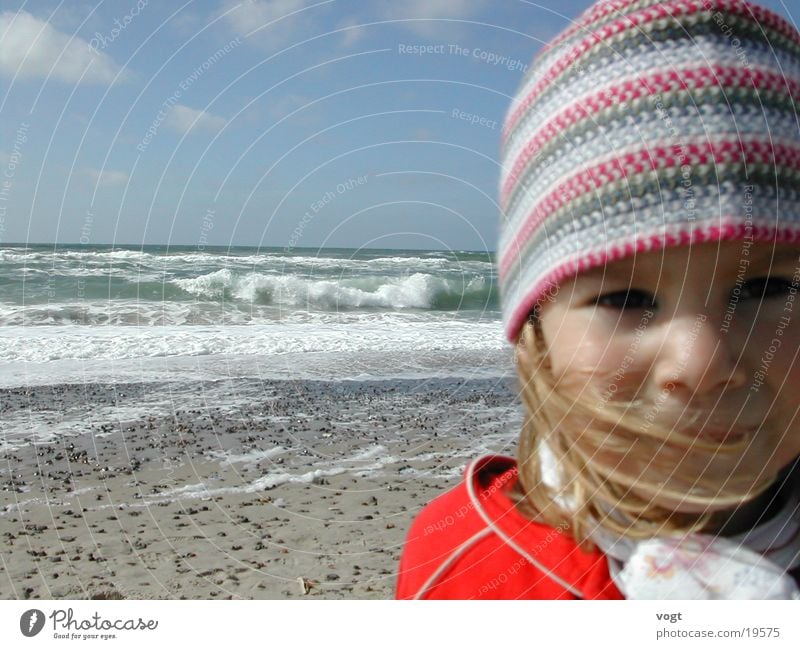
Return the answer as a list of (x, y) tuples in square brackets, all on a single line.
[(646, 125)]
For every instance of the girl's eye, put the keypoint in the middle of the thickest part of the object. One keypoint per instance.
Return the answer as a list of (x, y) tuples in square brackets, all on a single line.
[(758, 288), (765, 287), (630, 299)]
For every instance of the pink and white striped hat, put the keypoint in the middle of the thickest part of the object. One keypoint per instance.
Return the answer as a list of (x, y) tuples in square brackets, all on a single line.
[(645, 125)]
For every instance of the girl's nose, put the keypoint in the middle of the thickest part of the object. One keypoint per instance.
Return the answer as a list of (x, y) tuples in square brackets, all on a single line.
[(697, 357)]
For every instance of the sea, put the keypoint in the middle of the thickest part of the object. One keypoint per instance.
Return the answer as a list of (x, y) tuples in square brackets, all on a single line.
[(118, 313), (104, 340)]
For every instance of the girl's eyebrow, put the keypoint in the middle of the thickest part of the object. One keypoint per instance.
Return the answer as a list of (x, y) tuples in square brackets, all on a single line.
[(781, 255)]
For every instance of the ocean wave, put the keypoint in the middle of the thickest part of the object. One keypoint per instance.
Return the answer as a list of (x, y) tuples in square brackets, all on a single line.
[(182, 260), (211, 285), (374, 263), (34, 255), (110, 254), (153, 287), (144, 313), (414, 291)]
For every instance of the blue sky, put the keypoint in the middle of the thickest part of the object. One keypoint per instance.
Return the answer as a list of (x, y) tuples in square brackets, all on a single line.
[(286, 123)]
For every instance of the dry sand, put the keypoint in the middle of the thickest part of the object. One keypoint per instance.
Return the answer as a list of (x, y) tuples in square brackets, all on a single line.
[(264, 490)]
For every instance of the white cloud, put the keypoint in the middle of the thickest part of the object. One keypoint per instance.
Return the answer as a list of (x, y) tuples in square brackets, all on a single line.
[(436, 8), (288, 21), (244, 17), (256, 13), (352, 35), (32, 48), (74, 15), (187, 23), (281, 106), (184, 119), (422, 15), (106, 178)]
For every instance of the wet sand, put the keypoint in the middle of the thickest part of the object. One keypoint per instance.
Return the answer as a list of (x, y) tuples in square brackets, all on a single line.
[(230, 490)]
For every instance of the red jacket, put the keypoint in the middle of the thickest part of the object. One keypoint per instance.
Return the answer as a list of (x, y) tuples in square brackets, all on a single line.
[(478, 546)]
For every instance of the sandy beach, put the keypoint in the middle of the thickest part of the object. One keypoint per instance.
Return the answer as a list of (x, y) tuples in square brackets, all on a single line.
[(230, 489)]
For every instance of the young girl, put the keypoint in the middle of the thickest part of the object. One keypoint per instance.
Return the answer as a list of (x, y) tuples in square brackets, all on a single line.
[(649, 261)]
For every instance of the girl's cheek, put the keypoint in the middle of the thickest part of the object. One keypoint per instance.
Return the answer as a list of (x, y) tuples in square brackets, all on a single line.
[(780, 364), (602, 356), (774, 374), (771, 345)]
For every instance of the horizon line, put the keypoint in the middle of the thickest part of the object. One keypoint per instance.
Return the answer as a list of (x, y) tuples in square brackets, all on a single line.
[(201, 248)]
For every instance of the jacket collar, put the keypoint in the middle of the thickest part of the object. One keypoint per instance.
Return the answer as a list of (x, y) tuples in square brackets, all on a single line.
[(586, 574)]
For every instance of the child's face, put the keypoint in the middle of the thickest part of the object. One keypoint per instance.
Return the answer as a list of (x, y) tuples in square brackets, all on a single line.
[(694, 331)]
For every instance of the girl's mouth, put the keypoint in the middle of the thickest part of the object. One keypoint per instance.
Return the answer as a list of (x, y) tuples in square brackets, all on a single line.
[(720, 435)]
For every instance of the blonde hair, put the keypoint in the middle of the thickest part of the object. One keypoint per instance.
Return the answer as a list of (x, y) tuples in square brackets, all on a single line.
[(576, 427)]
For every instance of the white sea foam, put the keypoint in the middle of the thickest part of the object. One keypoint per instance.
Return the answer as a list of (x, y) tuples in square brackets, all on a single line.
[(253, 457), (268, 481), (110, 313), (118, 342), (159, 314), (139, 313), (211, 285), (267, 258), (415, 291)]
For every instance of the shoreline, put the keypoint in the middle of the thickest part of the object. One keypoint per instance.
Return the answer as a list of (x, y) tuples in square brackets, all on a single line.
[(271, 490)]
